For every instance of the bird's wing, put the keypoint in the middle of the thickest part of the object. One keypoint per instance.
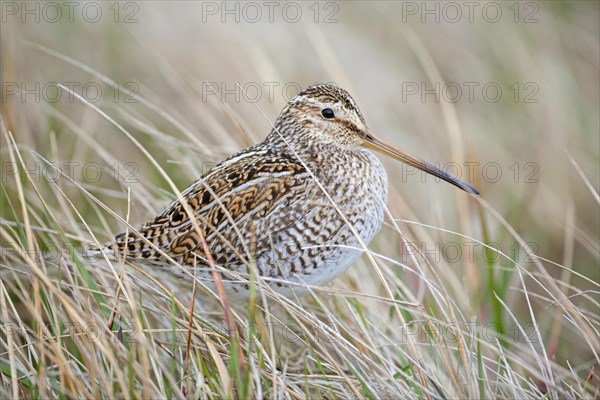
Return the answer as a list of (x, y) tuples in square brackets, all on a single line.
[(233, 203)]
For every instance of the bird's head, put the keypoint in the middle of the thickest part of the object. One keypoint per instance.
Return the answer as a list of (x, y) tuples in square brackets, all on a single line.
[(324, 114)]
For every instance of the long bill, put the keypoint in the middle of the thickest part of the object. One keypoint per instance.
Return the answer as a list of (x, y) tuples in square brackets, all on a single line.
[(374, 143)]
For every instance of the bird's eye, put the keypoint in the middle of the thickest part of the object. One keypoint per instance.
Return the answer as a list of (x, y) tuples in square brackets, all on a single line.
[(327, 113)]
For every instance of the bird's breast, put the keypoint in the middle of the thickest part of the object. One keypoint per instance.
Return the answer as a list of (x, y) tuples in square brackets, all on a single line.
[(352, 177), (356, 184)]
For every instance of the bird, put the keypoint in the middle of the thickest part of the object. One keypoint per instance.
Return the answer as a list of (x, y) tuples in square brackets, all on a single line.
[(297, 208)]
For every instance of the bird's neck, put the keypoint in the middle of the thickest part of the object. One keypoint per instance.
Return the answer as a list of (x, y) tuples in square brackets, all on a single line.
[(297, 143), (320, 157)]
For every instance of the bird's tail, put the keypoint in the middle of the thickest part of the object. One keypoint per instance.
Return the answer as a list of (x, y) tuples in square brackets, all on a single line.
[(94, 251)]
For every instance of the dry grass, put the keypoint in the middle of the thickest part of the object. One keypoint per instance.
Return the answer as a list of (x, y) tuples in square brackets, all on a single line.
[(459, 297)]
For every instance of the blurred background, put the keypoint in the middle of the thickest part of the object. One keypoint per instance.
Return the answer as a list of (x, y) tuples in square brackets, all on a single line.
[(504, 95)]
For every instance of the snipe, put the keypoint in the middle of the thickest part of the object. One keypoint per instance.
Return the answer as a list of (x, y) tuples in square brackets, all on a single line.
[(292, 206)]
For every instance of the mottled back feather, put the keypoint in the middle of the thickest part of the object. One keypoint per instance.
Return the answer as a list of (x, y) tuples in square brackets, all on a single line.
[(231, 203)]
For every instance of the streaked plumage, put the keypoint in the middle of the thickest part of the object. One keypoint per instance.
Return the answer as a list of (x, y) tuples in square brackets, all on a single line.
[(267, 205)]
